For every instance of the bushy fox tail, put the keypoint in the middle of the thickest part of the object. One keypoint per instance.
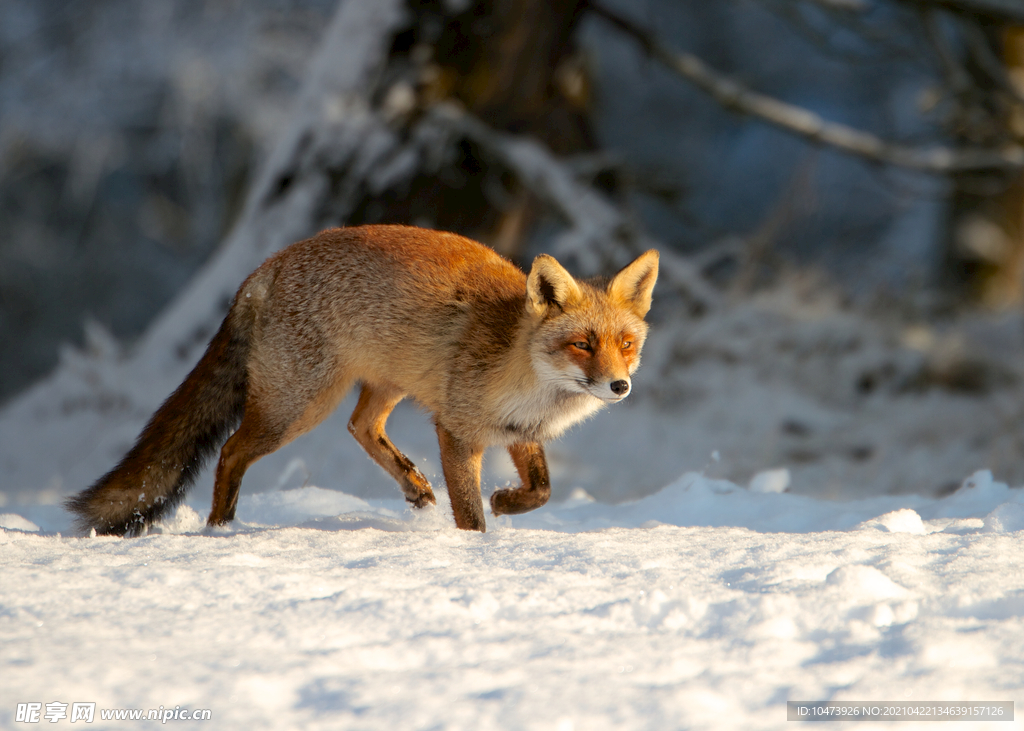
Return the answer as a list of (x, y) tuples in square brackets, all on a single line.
[(178, 440)]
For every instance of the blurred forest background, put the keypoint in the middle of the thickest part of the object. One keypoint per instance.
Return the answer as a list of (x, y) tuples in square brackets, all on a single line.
[(858, 161)]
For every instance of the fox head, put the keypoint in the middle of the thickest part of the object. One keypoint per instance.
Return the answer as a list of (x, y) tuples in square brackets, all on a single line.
[(590, 333)]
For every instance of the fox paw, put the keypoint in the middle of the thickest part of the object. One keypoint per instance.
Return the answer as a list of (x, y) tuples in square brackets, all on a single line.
[(517, 500), (422, 500), (501, 501), (497, 502)]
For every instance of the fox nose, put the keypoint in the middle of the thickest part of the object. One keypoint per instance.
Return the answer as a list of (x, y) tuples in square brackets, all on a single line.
[(619, 388)]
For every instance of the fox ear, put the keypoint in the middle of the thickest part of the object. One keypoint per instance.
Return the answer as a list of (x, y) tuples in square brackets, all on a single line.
[(634, 284), (549, 284)]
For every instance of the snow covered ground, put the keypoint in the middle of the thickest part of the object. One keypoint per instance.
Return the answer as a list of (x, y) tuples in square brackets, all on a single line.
[(668, 602), (704, 605)]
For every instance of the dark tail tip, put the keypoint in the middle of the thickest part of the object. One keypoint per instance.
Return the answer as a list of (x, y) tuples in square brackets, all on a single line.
[(184, 432), (111, 522)]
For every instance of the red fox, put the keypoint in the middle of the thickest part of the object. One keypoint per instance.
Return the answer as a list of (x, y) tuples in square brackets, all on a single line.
[(497, 356)]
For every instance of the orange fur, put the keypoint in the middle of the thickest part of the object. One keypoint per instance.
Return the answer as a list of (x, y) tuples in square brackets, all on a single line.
[(498, 357)]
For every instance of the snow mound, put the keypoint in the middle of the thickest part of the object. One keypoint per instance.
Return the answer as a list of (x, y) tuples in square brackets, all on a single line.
[(770, 481), (1005, 519), (898, 521), (11, 521), (866, 582)]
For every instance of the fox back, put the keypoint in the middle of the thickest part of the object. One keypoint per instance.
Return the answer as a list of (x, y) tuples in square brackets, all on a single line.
[(497, 356)]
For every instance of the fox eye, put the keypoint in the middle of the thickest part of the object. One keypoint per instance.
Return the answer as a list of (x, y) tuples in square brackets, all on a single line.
[(627, 344), (581, 345)]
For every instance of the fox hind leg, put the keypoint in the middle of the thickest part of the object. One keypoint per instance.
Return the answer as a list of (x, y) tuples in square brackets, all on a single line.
[(536, 488), (272, 419), (252, 441), (375, 404)]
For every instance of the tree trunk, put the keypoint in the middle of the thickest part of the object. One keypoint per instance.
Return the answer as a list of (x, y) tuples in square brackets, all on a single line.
[(985, 253), (511, 63)]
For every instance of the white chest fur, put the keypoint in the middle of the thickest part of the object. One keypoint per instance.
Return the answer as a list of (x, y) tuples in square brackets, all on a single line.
[(542, 410)]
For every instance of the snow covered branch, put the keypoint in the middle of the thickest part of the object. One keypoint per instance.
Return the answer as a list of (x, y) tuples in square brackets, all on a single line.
[(332, 123), (734, 95), (595, 225)]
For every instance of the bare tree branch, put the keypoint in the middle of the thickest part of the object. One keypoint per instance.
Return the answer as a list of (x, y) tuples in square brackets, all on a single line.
[(999, 10), (985, 57), (843, 6), (957, 78), (890, 40), (736, 96)]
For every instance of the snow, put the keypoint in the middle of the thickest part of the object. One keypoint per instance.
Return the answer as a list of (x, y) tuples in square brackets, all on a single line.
[(687, 574), (704, 605), (655, 591)]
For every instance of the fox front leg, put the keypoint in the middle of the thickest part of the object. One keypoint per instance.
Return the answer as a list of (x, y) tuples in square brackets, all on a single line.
[(367, 426), (536, 488), (461, 464)]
